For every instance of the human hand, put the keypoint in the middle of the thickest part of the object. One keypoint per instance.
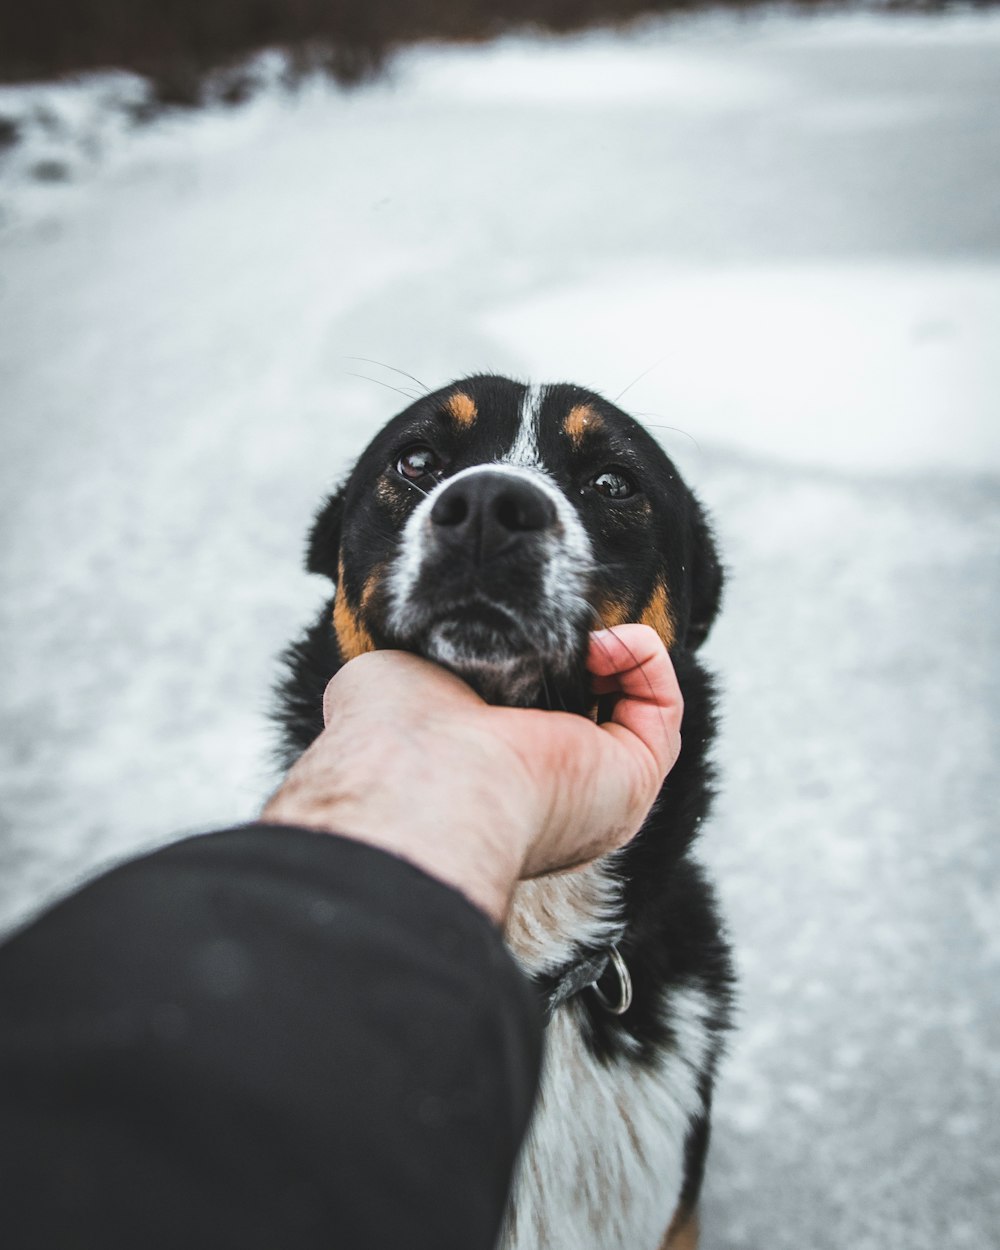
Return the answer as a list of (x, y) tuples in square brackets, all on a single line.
[(413, 761)]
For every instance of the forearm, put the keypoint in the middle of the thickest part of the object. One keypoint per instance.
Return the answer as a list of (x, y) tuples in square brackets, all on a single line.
[(263, 1037)]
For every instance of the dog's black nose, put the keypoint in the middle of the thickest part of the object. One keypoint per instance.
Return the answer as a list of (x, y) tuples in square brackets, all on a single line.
[(486, 513)]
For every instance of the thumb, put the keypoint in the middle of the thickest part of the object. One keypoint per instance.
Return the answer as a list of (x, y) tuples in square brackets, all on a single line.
[(632, 662)]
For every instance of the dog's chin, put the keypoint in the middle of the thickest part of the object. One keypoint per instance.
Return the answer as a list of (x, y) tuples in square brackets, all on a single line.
[(506, 665), (512, 660), (487, 659)]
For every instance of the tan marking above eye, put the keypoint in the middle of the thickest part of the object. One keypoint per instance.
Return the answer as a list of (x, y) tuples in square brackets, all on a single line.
[(580, 420), (353, 637), (463, 409), (657, 614)]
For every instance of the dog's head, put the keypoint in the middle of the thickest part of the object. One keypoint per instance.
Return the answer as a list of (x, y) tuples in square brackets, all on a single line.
[(491, 525)]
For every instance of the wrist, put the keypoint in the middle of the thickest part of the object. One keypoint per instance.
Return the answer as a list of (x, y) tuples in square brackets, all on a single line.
[(478, 858)]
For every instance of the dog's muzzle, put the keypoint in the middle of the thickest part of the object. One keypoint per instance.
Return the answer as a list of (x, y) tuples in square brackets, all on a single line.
[(491, 580)]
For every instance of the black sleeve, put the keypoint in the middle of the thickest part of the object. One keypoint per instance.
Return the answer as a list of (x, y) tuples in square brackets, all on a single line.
[(267, 1038)]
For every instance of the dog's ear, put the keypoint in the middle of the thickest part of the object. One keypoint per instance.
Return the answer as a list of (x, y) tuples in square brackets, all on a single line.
[(706, 581), (323, 548)]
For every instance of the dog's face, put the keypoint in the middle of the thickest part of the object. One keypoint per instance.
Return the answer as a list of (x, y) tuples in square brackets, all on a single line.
[(490, 526)]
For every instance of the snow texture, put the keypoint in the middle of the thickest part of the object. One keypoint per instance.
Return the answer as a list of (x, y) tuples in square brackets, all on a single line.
[(783, 237)]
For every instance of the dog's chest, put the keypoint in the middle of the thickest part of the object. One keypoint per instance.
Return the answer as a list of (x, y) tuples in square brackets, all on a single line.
[(603, 1164)]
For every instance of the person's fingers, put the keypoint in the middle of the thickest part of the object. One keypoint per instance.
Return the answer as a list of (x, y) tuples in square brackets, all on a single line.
[(632, 662)]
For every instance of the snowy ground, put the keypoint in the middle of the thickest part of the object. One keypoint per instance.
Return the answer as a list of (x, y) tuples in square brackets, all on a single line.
[(795, 226)]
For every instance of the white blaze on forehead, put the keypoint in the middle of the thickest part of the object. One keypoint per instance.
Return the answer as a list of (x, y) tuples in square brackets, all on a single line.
[(524, 450)]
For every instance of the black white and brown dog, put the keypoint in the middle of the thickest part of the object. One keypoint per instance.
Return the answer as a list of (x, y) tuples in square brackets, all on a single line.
[(489, 527)]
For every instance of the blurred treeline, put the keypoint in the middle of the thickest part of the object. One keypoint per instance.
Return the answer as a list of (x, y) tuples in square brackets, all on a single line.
[(176, 43)]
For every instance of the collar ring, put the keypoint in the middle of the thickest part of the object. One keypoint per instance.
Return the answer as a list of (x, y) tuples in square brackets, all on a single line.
[(616, 1007)]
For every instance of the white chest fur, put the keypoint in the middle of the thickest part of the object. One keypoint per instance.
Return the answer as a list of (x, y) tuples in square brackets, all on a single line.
[(603, 1163)]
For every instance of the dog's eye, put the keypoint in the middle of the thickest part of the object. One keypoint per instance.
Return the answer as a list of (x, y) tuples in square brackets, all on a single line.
[(614, 484), (418, 461)]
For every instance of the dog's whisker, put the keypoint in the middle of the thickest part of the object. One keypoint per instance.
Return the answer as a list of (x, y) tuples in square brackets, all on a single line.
[(673, 429), (388, 386), (419, 489), (545, 686), (654, 365), (548, 690), (382, 365), (559, 694)]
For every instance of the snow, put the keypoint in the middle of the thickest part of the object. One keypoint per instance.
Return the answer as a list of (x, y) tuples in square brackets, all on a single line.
[(848, 366), (597, 74), (781, 239)]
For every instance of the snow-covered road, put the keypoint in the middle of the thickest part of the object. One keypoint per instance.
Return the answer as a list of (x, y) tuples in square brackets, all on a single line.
[(795, 227)]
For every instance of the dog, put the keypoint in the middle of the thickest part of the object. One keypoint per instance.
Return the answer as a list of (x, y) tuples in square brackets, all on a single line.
[(489, 527)]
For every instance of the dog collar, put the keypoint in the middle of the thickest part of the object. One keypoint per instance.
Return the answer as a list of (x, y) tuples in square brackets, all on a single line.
[(586, 975)]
